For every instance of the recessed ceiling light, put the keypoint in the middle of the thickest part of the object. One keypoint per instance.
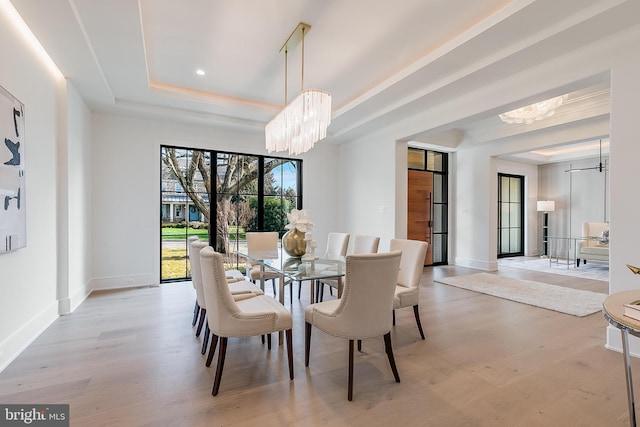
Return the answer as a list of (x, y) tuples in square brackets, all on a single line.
[(200, 72)]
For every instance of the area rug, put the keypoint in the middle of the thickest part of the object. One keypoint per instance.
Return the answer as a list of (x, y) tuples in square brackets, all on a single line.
[(591, 271), (557, 298)]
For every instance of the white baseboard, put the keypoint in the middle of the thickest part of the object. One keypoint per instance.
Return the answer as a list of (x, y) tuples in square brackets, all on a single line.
[(122, 282), (614, 342), (477, 264), (78, 298), (20, 340)]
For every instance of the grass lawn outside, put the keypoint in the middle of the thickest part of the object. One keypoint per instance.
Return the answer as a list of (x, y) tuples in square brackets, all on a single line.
[(178, 234), (183, 233), (176, 265)]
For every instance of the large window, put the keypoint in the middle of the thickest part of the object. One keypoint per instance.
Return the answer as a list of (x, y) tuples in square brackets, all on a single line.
[(249, 193)]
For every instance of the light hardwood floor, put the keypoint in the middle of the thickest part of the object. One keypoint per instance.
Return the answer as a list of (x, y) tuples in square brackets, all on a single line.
[(130, 358)]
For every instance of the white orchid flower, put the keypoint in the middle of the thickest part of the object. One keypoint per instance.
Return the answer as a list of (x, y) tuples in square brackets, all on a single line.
[(299, 219)]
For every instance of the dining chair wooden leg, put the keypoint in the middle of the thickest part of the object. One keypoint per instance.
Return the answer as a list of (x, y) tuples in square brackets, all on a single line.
[(360, 345), (350, 386), (262, 336), (299, 288), (291, 293), (221, 353), (307, 342), (203, 314), (417, 314), (289, 336), (205, 340), (389, 350), (196, 311), (273, 282), (393, 313), (212, 349), (269, 341)]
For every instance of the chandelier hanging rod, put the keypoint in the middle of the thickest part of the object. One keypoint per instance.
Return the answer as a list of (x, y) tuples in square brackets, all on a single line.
[(599, 168), (294, 39)]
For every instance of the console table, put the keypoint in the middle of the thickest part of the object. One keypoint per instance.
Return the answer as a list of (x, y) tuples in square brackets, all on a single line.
[(613, 310)]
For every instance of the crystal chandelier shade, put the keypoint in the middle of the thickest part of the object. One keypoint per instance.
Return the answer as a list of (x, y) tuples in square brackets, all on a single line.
[(300, 124), (533, 112), (303, 121)]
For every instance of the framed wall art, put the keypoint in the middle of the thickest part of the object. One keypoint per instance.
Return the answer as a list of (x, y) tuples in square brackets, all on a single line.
[(13, 219)]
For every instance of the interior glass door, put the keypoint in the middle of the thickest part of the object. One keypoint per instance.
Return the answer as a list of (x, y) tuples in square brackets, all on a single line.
[(510, 215), (427, 198)]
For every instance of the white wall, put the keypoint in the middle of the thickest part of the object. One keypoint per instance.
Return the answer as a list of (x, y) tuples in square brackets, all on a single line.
[(28, 276), (126, 186), (369, 172), (79, 215), (473, 223), (624, 154), (321, 187)]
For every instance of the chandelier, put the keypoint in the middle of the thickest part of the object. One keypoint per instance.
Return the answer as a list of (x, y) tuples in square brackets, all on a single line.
[(533, 112), (304, 120)]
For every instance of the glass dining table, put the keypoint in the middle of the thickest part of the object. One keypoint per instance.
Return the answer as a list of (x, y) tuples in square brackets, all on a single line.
[(296, 269)]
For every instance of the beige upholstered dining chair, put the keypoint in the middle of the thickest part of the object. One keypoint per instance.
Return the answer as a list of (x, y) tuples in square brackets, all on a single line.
[(196, 308), (407, 292), (362, 244), (337, 244), (244, 318), (362, 312), (239, 289), (261, 241), (232, 276)]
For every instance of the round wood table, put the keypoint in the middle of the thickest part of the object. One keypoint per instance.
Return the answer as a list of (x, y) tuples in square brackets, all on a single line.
[(613, 310)]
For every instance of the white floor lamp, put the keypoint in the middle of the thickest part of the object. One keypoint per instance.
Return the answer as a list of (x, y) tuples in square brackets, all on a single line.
[(545, 206)]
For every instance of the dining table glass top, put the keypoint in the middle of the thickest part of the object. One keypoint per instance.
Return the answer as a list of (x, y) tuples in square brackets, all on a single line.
[(297, 268)]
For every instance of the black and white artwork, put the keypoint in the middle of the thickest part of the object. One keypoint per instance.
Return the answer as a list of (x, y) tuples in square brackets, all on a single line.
[(13, 224)]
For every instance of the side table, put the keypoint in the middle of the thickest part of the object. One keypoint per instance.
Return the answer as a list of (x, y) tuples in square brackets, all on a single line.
[(613, 310), (555, 244)]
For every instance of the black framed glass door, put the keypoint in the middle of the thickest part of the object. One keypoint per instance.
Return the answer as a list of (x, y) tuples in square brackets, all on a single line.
[(510, 215)]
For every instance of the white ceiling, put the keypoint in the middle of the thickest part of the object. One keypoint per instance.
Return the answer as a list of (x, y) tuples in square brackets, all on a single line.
[(381, 60)]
